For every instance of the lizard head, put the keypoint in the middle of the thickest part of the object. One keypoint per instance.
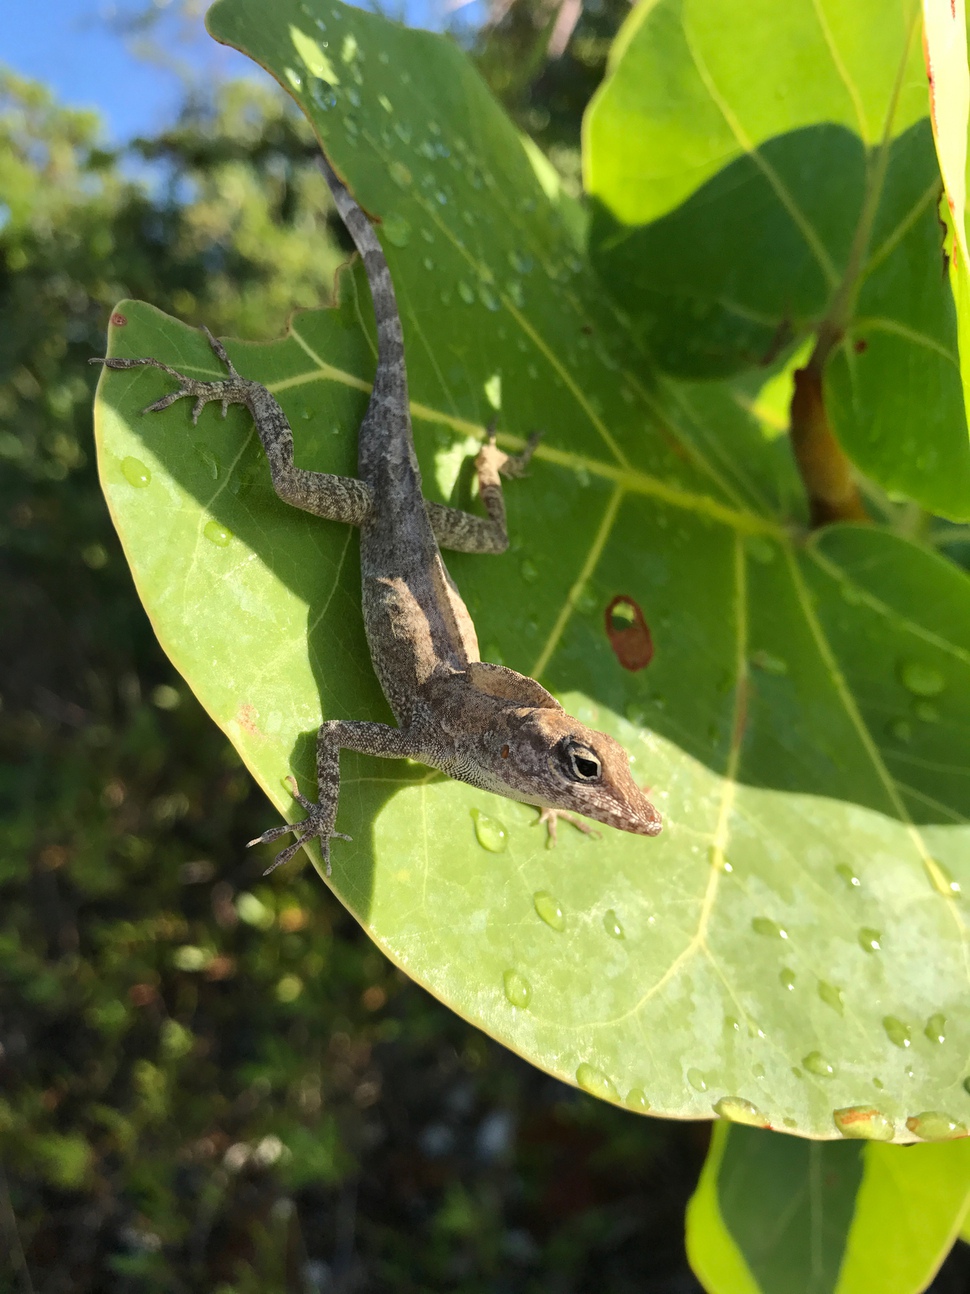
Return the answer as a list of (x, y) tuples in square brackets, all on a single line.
[(551, 759)]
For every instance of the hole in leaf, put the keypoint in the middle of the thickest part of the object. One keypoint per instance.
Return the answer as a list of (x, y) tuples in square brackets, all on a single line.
[(628, 633)]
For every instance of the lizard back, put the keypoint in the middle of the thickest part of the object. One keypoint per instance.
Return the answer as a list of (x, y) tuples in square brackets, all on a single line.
[(417, 625)]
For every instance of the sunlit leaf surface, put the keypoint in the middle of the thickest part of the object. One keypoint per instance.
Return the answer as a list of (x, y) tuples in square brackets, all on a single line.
[(760, 168), (793, 943)]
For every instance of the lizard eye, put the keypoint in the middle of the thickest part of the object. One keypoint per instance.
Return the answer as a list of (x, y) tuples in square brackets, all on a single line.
[(580, 763)]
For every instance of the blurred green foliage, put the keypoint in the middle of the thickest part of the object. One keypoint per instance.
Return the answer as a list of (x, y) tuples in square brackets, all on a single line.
[(211, 1082)]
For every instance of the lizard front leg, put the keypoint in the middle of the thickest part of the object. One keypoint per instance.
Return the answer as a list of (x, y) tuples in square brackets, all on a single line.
[(336, 735), (338, 498), (463, 532)]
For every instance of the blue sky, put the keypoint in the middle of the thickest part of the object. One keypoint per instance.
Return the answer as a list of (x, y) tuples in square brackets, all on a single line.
[(75, 47)]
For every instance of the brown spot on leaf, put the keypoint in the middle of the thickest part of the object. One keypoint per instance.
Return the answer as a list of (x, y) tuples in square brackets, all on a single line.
[(118, 320), (246, 718), (860, 345), (628, 633)]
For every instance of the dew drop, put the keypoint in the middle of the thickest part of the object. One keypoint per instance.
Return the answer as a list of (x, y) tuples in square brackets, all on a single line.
[(848, 875), (441, 197), (400, 174), (697, 1080), (636, 1100), (863, 1123), (520, 262), (870, 941), (761, 549), (877, 1082), (758, 1070), (135, 473), (466, 293), (943, 881), (428, 264), (529, 571), (901, 730), (492, 834), (897, 1031), (487, 297), (936, 1028), (548, 908), (787, 977), (966, 1085), (768, 662), (831, 996), (385, 103), (518, 990), (738, 1110), (789, 1123), (850, 594), (403, 131), (816, 1064), (594, 1081), (513, 290), (397, 230), (921, 678), (217, 534), (926, 711), (765, 926), (931, 1125), (731, 1022), (611, 924)]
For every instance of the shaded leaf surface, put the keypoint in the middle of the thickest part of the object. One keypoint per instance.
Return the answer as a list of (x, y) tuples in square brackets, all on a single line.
[(777, 1216), (736, 211), (680, 970)]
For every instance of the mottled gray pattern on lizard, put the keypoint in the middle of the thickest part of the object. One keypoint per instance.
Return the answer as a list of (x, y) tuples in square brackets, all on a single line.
[(480, 723)]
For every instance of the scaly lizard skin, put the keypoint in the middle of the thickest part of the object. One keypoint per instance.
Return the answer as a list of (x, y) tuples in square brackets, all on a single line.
[(480, 723)]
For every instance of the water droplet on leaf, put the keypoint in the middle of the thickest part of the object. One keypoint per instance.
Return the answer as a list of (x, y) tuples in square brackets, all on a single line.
[(636, 1100), (848, 875), (898, 1032), (135, 473), (831, 996), (870, 940), (768, 662), (400, 174), (936, 1028), (594, 1081), (697, 1080), (518, 990), (816, 1064), (738, 1110), (549, 910), (466, 293), (491, 833), (611, 924), (787, 977), (765, 926), (921, 678), (931, 1125), (217, 534), (863, 1123), (397, 230)]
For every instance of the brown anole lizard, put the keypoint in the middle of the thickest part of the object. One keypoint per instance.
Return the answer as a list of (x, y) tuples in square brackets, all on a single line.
[(480, 723)]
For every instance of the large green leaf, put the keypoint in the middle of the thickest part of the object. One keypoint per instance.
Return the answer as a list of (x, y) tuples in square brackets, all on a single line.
[(801, 721), (777, 1216), (736, 210)]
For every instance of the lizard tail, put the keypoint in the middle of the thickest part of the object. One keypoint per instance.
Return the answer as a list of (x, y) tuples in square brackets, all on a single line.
[(391, 372)]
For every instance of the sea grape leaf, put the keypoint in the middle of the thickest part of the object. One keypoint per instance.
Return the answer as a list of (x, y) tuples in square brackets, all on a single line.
[(800, 722), (774, 1215), (757, 170)]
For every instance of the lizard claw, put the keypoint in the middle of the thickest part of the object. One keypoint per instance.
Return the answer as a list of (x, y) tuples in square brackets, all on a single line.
[(515, 464), (550, 817), (318, 822)]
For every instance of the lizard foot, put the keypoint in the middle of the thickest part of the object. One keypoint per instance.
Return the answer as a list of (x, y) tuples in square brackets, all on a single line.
[(318, 822), (510, 465), (551, 819), (229, 390)]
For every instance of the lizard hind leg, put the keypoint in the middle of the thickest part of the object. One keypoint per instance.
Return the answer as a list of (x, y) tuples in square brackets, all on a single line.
[(463, 532)]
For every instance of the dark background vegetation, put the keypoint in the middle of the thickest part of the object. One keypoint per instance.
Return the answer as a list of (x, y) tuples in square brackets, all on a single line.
[(210, 1081)]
